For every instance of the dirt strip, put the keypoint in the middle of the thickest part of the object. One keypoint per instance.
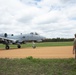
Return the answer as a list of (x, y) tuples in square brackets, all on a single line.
[(39, 52)]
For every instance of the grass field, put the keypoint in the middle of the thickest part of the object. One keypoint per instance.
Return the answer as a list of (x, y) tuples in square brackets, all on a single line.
[(42, 44), (31, 66)]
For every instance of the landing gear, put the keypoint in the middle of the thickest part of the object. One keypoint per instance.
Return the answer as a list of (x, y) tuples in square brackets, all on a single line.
[(6, 44), (33, 47), (19, 46), (7, 47)]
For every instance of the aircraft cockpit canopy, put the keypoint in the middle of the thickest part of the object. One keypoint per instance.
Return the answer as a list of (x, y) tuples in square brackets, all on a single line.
[(34, 33)]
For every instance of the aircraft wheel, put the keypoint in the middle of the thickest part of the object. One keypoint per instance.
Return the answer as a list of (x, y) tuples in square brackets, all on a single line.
[(7, 47), (34, 47), (19, 46)]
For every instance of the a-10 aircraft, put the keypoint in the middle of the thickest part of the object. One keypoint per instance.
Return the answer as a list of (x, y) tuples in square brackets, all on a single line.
[(19, 39)]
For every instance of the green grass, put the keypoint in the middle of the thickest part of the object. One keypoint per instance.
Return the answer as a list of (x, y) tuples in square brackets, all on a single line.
[(42, 44), (31, 66), (45, 44)]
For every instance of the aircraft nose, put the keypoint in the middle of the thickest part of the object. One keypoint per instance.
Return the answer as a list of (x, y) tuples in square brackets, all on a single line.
[(43, 38)]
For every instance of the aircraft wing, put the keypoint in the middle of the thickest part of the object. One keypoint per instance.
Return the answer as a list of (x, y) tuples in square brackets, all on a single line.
[(4, 38)]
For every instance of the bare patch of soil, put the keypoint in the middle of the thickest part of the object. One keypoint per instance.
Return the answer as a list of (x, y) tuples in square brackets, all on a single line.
[(39, 52)]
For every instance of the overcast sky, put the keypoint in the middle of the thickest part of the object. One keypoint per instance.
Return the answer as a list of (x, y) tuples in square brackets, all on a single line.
[(50, 18)]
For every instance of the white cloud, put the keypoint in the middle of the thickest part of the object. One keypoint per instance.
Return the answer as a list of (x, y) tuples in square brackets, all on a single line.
[(51, 18)]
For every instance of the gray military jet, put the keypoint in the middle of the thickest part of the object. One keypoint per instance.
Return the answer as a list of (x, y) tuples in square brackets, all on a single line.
[(19, 39)]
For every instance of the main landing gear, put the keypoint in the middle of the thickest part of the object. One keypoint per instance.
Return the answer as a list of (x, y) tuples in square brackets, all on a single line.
[(7, 47), (18, 46), (6, 44)]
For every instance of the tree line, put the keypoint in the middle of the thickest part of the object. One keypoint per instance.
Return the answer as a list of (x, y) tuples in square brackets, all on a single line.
[(58, 40)]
